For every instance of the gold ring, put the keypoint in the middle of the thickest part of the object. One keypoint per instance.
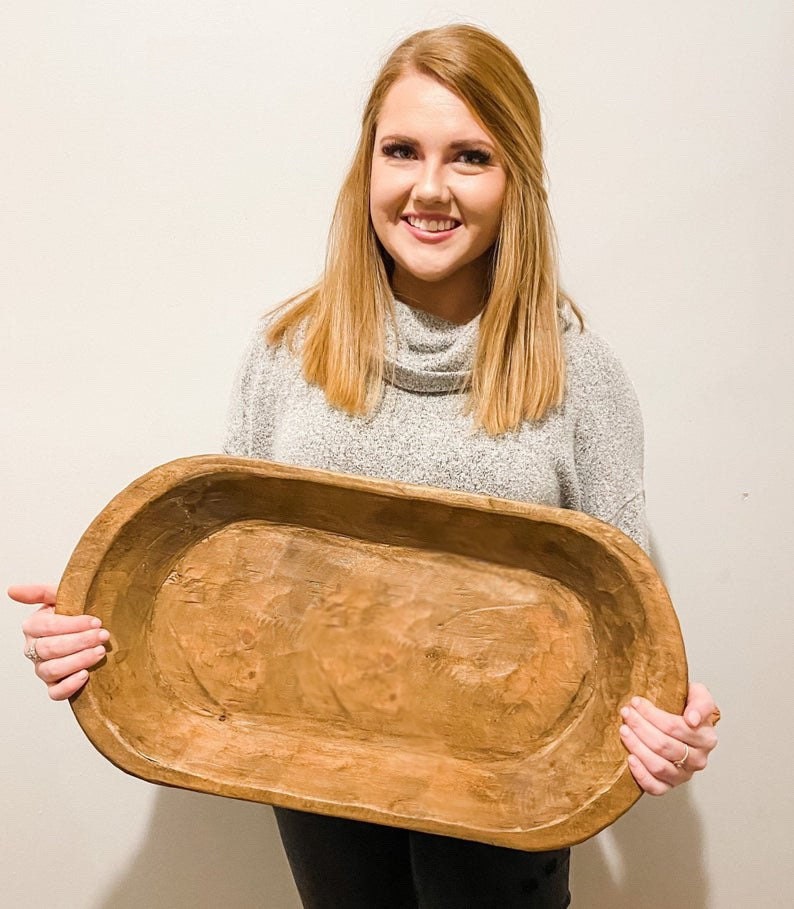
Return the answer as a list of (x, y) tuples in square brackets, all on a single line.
[(680, 764), (31, 653)]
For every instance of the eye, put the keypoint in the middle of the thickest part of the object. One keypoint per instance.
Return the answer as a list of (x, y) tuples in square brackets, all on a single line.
[(398, 150), (475, 156)]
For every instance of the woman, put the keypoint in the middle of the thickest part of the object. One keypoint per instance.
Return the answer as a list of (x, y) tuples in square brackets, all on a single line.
[(437, 348)]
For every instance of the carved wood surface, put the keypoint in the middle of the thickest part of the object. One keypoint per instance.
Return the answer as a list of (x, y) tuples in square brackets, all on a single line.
[(393, 653)]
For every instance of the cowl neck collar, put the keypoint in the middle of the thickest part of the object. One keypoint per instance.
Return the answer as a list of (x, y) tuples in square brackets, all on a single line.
[(428, 353)]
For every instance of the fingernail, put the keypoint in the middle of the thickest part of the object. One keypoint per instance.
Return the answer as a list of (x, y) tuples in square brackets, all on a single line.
[(95, 622), (694, 718), (624, 730), (636, 702), (82, 675), (633, 761), (104, 635), (625, 713), (99, 649)]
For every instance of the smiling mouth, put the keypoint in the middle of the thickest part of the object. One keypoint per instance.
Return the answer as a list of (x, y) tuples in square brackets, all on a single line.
[(436, 225)]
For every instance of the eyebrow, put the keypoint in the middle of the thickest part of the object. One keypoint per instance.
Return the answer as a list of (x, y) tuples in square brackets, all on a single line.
[(457, 144)]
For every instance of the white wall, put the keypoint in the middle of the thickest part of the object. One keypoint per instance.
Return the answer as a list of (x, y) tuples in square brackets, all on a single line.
[(168, 172)]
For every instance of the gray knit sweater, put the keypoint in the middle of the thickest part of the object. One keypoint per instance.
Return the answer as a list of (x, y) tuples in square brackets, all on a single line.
[(586, 454)]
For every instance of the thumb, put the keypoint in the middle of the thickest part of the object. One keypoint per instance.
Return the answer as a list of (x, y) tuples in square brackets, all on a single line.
[(32, 594), (694, 718)]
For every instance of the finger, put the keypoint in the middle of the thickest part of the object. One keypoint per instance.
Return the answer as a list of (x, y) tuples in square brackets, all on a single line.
[(60, 691), (699, 706), (667, 746), (670, 723), (700, 741), (31, 594), (667, 733), (661, 769), (51, 671), (44, 623), (62, 645), (645, 779)]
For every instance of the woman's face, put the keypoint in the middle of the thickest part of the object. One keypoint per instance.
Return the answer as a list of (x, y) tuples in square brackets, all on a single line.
[(437, 184)]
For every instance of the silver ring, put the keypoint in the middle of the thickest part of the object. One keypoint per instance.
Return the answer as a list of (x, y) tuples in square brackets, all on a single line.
[(31, 653), (680, 764)]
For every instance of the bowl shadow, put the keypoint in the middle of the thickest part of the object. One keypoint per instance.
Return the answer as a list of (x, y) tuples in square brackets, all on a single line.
[(204, 851)]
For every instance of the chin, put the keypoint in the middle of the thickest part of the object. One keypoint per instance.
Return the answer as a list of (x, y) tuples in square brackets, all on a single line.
[(429, 273), (428, 277)]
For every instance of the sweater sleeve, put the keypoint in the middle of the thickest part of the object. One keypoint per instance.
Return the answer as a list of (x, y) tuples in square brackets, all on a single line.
[(249, 421), (608, 441)]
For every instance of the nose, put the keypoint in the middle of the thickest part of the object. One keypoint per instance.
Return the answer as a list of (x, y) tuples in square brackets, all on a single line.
[(431, 184)]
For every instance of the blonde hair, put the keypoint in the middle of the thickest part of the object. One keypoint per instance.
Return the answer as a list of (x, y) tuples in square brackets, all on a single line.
[(519, 367)]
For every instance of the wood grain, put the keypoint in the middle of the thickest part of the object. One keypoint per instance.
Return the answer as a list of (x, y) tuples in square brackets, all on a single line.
[(400, 654)]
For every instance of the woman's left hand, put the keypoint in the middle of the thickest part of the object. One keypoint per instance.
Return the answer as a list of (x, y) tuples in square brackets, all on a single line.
[(665, 749)]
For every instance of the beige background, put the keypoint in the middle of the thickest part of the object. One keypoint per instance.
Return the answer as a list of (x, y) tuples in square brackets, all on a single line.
[(168, 171)]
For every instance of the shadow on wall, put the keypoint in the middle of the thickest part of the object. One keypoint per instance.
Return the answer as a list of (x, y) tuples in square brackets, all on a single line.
[(201, 851), (651, 858)]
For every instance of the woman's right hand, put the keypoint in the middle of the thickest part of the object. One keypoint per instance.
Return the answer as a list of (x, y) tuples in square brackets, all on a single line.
[(67, 645)]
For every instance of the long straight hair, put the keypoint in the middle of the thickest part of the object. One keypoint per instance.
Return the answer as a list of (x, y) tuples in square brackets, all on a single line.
[(518, 371)]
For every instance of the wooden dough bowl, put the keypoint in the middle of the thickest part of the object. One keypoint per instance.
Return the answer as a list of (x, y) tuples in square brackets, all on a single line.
[(401, 654)]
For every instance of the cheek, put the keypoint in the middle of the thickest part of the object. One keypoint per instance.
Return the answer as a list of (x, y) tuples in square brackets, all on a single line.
[(390, 191), (383, 192), (484, 201), (493, 207), (380, 208), (373, 194)]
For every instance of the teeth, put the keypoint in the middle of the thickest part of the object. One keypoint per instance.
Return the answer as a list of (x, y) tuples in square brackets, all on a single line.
[(422, 224)]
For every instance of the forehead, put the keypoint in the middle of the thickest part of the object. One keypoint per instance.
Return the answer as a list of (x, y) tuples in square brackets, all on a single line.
[(417, 105)]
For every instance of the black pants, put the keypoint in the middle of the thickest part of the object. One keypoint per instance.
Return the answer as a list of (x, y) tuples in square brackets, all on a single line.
[(341, 864)]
